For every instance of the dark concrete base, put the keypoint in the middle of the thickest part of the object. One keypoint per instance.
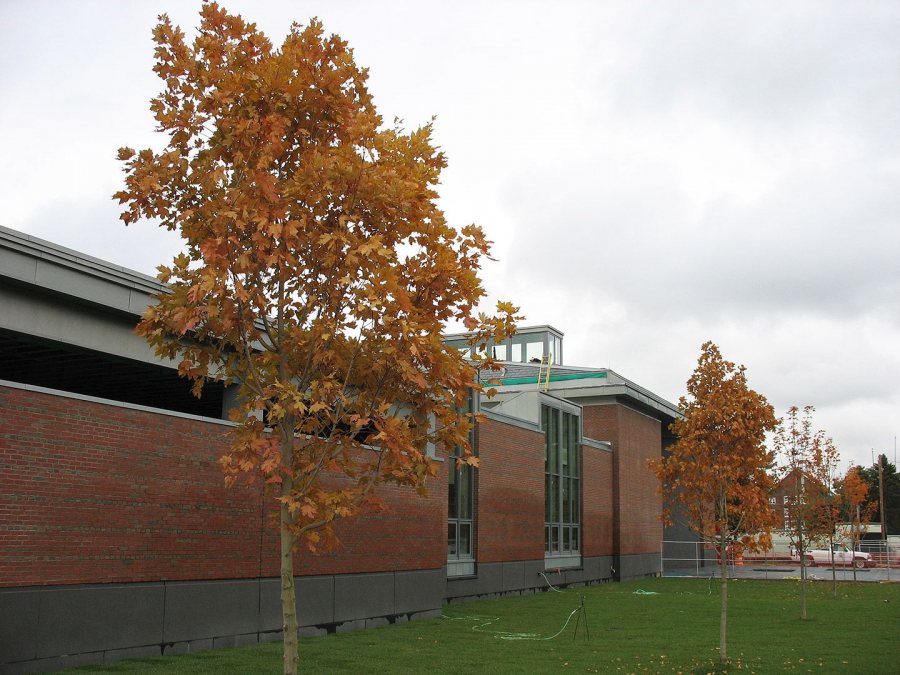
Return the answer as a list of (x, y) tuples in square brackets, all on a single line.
[(528, 576), (637, 566), (56, 627)]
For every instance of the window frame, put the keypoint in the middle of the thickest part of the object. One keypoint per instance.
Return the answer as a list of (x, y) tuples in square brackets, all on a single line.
[(461, 557), (563, 491)]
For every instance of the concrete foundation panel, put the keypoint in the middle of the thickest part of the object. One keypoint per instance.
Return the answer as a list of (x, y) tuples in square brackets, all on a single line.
[(487, 580), (56, 663), (113, 655), (418, 590), (19, 613), (270, 605), (246, 640), (81, 619), (361, 596), (638, 566), (315, 601), (513, 576), (207, 609), (532, 570), (427, 614)]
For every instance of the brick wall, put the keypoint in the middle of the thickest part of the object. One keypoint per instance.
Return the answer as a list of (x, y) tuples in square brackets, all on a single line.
[(510, 480), (597, 500), (635, 438), (93, 493), (640, 527)]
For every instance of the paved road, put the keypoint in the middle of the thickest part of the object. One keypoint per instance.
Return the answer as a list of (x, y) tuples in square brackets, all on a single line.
[(787, 571)]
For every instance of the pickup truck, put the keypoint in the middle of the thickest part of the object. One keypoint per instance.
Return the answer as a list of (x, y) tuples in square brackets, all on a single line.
[(842, 556)]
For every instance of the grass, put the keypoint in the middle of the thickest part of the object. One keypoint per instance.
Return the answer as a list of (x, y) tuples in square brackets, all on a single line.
[(673, 631)]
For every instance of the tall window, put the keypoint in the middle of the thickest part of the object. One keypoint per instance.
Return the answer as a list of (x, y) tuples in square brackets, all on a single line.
[(562, 484), (460, 507)]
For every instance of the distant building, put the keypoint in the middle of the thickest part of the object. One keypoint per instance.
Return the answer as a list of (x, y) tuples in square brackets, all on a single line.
[(120, 539), (790, 487)]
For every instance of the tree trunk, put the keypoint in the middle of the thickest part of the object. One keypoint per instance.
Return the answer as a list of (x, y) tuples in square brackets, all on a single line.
[(833, 571), (286, 431), (723, 612), (288, 598), (803, 572)]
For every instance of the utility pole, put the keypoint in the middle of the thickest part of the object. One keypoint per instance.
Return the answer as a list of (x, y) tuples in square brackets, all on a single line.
[(881, 461)]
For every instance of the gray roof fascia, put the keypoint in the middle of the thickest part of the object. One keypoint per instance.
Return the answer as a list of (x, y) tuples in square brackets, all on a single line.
[(520, 330), (28, 258), (613, 386), (510, 420), (600, 445), (585, 395)]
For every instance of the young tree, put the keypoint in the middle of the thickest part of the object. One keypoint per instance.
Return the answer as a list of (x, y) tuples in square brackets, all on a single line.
[(828, 514), (715, 472), (807, 464), (857, 511), (317, 275)]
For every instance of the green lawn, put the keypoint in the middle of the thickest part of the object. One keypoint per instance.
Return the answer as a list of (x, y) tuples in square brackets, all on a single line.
[(631, 631)]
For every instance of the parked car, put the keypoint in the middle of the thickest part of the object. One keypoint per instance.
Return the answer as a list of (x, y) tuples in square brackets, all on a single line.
[(843, 556)]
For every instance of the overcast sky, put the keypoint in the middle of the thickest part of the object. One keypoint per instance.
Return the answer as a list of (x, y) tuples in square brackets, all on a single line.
[(654, 174)]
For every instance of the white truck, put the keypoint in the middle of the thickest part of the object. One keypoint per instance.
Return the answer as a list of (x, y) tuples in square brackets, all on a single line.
[(843, 556)]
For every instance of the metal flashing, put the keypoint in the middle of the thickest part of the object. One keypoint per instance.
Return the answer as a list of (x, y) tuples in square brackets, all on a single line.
[(553, 378)]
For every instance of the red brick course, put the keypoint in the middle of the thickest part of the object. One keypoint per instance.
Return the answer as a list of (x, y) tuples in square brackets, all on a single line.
[(639, 506), (93, 493), (597, 500), (635, 438), (510, 480)]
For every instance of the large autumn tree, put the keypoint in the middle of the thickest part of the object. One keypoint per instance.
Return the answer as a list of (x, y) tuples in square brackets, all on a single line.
[(807, 466), (317, 272), (714, 476)]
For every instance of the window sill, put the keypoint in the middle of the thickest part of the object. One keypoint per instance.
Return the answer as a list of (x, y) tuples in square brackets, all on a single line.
[(457, 569), (562, 562)]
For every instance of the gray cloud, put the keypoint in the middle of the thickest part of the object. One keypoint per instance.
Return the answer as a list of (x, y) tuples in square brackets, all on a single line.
[(654, 174)]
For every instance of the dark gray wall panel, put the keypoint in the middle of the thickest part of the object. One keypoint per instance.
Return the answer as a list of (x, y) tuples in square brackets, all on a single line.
[(513, 576), (207, 609), (360, 596), (93, 618), (19, 612), (532, 569), (419, 590), (550, 578), (592, 568), (638, 566), (427, 614), (270, 605), (113, 655), (315, 600), (487, 580), (55, 663), (599, 567)]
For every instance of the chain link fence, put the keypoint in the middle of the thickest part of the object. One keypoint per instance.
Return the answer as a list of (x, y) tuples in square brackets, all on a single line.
[(699, 559)]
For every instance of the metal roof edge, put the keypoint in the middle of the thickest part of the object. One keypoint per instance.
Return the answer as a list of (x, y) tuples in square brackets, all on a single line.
[(509, 419), (86, 264)]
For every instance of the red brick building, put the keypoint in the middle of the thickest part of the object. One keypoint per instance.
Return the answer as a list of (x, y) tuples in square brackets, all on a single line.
[(119, 538), (793, 486)]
